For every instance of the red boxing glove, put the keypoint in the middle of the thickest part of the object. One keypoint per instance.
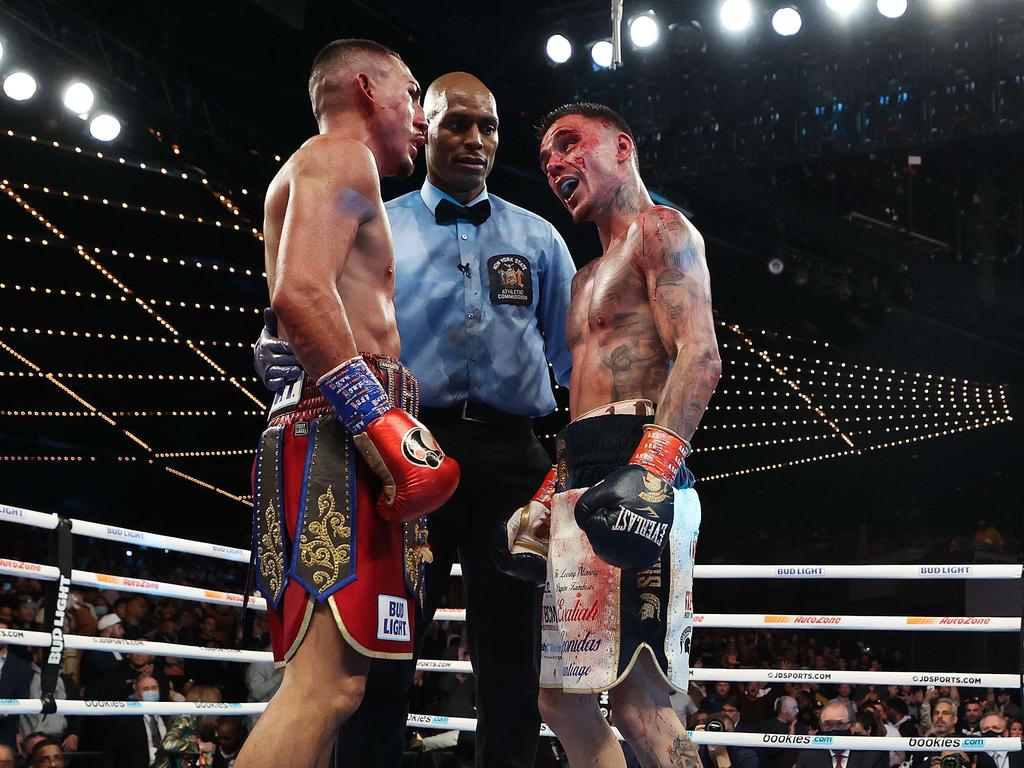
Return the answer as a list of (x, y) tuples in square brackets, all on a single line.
[(418, 477)]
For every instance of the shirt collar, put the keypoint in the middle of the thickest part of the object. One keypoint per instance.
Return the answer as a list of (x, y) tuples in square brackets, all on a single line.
[(431, 196)]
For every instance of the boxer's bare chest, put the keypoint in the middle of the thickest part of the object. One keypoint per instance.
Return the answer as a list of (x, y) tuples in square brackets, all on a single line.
[(616, 351)]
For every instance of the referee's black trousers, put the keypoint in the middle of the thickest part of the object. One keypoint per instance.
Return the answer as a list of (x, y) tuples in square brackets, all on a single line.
[(502, 464)]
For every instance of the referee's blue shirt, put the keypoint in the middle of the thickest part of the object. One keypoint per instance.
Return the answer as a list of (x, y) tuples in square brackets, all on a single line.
[(481, 309)]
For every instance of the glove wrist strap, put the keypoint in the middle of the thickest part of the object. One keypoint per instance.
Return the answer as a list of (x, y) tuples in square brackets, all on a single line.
[(546, 491), (661, 452), (355, 394)]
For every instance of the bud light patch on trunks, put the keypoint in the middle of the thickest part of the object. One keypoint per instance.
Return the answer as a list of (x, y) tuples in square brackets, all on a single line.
[(392, 618), (511, 280), (419, 448)]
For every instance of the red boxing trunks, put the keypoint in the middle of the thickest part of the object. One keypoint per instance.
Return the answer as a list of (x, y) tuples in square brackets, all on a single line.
[(316, 534)]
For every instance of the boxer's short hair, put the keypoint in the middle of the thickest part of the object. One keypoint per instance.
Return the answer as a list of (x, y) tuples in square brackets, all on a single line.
[(337, 51), (589, 109)]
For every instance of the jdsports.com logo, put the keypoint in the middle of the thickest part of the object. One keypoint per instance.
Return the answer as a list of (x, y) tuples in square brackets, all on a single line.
[(419, 448)]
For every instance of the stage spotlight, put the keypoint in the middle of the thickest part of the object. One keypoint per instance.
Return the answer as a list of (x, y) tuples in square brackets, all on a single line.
[(559, 49), (786, 21), (687, 37), (1, 51), (20, 86), (736, 15), (601, 53), (892, 9), (105, 127), (79, 98), (644, 30), (843, 8), (776, 266)]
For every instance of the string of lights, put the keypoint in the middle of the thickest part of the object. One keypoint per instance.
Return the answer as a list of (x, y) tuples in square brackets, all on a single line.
[(792, 385), (110, 420), (174, 173), (840, 454), (128, 414), (107, 336), (136, 207), (176, 262), (127, 376), (71, 293), (846, 419), (205, 454)]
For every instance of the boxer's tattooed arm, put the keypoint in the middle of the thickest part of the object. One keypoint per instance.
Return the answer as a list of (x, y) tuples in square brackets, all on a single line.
[(671, 257), (683, 752)]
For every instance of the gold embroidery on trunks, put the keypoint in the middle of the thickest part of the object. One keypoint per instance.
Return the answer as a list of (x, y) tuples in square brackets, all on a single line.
[(649, 577), (657, 490), (321, 552), (417, 554), (271, 550), (650, 606)]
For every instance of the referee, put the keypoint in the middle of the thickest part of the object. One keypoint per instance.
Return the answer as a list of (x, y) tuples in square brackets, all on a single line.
[(481, 294)]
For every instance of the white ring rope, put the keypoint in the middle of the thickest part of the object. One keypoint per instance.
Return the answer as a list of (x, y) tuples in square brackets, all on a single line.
[(982, 679), (441, 722), (717, 620), (239, 555)]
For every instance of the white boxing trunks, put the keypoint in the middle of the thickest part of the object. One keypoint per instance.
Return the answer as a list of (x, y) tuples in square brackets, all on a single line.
[(597, 619)]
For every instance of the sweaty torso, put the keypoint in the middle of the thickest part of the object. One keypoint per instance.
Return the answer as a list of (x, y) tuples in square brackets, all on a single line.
[(367, 284), (616, 351)]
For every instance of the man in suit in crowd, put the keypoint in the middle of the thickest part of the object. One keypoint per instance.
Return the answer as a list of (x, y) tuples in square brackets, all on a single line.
[(15, 680), (994, 725), (132, 742), (835, 721)]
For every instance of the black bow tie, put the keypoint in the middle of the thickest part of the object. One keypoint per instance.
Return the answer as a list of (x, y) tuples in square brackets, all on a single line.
[(447, 212)]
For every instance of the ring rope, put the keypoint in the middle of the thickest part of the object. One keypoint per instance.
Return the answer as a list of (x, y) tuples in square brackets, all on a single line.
[(237, 554), (441, 722), (82, 642)]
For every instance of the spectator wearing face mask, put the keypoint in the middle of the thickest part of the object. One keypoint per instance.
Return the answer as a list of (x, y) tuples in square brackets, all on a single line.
[(96, 664), (835, 721), (996, 725), (130, 742)]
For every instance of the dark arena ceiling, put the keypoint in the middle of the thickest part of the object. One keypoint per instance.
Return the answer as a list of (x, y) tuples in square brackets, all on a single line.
[(859, 186)]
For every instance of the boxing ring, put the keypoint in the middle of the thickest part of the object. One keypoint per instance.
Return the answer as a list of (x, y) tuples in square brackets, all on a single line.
[(63, 577)]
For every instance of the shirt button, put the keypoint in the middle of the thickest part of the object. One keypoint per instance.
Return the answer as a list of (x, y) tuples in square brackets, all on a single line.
[(470, 315), (465, 237)]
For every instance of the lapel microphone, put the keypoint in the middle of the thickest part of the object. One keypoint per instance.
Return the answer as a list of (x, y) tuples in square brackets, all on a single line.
[(465, 269)]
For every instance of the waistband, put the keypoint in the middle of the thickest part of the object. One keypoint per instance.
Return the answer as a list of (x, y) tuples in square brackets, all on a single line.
[(399, 382), (601, 440)]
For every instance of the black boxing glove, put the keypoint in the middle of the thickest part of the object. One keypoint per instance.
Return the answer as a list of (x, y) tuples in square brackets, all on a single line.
[(521, 542), (627, 516)]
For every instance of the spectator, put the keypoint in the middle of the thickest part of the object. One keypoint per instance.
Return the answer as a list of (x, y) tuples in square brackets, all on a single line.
[(869, 723), (8, 757), (943, 718), (15, 683), (136, 623), (719, 756), (713, 701), (1016, 728), (96, 664), (731, 708), (131, 742), (785, 721), (262, 679), (46, 754), (231, 735), (995, 725), (190, 739), (118, 683), (970, 723), (27, 745), (835, 721), (755, 704), (63, 730), (898, 714)]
